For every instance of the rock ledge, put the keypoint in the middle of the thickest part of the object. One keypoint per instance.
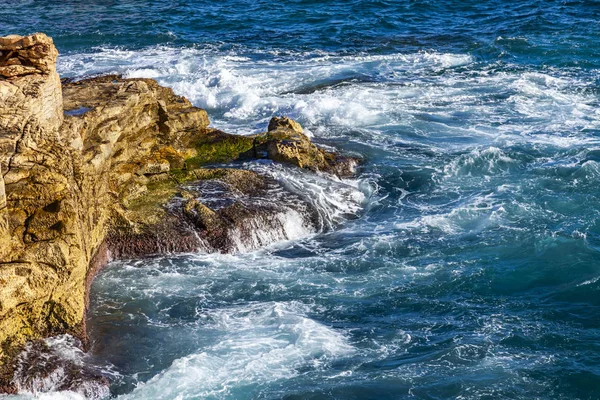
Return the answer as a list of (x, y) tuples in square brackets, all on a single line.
[(97, 169)]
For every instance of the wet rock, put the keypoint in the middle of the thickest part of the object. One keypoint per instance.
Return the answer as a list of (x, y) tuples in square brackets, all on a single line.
[(237, 210), (214, 210), (247, 182), (98, 167), (41, 368), (67, 176), (285, 142), (215, 146)]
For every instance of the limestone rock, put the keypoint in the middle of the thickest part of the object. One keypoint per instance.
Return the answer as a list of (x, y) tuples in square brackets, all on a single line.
[(14, 70), (66, 176), (92, 169), (285, 142), (284, 123), (9, 40), (33, 53)]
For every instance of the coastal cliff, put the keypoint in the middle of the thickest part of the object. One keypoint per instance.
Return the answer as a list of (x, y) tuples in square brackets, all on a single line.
[(92, 170)]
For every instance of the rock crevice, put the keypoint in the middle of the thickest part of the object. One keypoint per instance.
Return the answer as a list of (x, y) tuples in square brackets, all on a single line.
[(94, 168)]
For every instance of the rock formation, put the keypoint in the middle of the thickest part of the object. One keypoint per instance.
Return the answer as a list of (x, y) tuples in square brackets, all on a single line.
[(93, 169), (217, 210), (286, 142)]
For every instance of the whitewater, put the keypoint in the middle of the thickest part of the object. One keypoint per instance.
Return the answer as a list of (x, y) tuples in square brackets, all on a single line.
[(462, 262)]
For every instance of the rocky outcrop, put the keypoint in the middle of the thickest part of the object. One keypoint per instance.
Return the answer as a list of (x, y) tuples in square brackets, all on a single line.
[(216, 210), (286, 142), (30, 55), (37, 176), (111, 167), (42, 367)]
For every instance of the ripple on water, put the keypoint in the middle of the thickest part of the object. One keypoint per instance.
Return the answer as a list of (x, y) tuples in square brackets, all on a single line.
[(463, 263)]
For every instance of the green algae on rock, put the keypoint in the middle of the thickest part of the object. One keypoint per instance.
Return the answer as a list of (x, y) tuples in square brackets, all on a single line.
[(67, 176), (93, 169)]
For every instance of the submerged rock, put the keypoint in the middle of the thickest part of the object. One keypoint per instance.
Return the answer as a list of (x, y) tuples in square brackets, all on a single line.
[(58, 365), (217, 210), (105, 167)]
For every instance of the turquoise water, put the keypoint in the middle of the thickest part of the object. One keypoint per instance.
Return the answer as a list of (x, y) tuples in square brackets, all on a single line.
[(462, 262)]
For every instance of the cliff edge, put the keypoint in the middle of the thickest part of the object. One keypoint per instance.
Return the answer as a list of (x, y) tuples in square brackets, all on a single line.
[(70, 158), (87, 169)]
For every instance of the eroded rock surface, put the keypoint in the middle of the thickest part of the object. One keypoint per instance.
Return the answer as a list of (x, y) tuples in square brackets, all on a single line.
[(111, 167), (286, 142), (67, 175), (214, 210)]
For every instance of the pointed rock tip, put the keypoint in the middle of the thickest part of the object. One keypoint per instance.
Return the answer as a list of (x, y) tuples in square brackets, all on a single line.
[(284, 123)]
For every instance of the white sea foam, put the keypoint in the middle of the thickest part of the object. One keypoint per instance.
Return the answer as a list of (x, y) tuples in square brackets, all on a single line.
[(42, 371), (245, 89), (334, 199), (395, 103), (391, 93), (469, 216), (289, 224), (65, 395), (487, 161), (258, 344)]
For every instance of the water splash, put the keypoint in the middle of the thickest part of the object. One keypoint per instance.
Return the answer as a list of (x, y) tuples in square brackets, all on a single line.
[(59, 366)]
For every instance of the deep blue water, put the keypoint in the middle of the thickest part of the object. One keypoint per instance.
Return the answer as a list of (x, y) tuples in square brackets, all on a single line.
[(463, 261)]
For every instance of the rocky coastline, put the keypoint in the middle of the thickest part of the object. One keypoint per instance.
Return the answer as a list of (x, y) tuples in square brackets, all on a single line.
[(104, 168)]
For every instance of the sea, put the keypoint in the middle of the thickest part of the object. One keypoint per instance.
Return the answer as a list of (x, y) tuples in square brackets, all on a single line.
[(462, 261)]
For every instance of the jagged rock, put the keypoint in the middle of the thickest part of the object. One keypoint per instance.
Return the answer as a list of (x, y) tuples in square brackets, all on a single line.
[(40, 368), (154, 167), (34, 161), (94, 168), (285, 142), (12, 71), (2, 202), (222, 209), (66, 175), (285, 123), (31, 54)]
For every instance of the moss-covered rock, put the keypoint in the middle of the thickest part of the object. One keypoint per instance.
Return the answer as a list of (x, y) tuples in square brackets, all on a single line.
[(97, 168), (173, 215), (284, 142), (215, 146)]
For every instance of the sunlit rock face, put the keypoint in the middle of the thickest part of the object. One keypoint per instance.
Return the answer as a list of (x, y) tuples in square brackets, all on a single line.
[(66, 173), (107, 167)]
